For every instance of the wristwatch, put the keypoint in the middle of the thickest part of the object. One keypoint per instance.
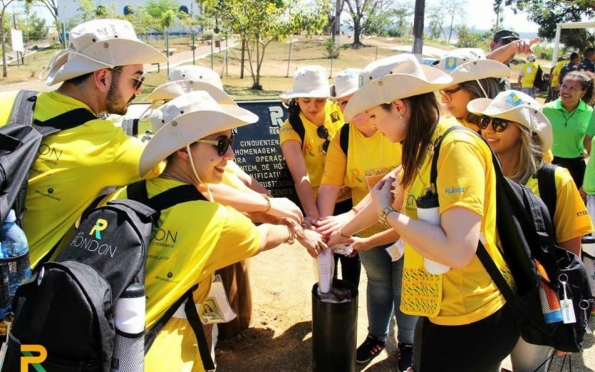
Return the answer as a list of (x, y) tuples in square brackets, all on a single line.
[(382, 217)]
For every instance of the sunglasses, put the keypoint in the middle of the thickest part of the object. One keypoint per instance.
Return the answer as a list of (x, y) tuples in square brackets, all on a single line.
[(447, 94), (499, 125), (322, 133), (138, 82), (222, 143)]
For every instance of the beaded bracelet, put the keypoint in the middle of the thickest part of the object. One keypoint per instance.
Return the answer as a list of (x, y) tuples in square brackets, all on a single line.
[(268, 203)]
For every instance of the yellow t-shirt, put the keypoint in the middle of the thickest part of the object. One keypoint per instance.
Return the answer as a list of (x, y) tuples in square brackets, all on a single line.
[(230, 177), (466, 179), (571, 219), (556, 73), (312, 147), (192, 241), (367, 161), (528, 73), (73, 166)]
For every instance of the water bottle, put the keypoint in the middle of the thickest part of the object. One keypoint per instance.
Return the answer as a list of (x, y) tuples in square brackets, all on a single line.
[(15, 266), (129, 319), (428, 211), (324, 265)]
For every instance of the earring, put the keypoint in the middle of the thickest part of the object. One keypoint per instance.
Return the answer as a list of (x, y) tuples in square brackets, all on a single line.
[(400, 115)]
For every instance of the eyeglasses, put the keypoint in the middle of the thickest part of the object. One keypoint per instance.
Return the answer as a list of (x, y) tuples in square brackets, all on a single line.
[(499, 125), (322, 133), (572, 89), (447, 94), (138, 82), (506, 41), (222, 143)]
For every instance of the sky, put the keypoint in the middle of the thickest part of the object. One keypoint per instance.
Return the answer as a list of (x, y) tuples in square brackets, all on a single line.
[(480, 14)]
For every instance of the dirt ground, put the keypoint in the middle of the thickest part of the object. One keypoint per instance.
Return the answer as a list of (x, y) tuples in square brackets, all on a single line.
[(280, 336)]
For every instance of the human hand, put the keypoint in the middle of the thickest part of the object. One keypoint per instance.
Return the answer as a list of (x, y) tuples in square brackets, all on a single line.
[(382, 194), (360, 244), (336, 237), (330, 224), (310, 222), (312, 241), (283, 207), (525, 46)]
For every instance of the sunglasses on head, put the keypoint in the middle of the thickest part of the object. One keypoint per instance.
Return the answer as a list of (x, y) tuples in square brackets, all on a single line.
[(322, 133), (499, 125), (222, 143)]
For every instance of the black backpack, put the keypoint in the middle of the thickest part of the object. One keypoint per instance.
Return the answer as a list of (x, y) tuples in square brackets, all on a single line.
[(526, 234), (68, 306), (20, 140)]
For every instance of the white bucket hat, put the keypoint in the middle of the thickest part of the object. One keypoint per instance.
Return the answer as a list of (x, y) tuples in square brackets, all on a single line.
[(467, 64), (531, 58), (98, 44), (393, 78), (519, 107), (188, 78), (346, 83), (185, 120), (308, 81)]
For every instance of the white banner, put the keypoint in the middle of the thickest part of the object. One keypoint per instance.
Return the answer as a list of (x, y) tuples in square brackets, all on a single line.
[(17, 40)]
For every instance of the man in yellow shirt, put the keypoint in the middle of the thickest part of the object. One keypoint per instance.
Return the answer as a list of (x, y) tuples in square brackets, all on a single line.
[(101, 71), (527, 76)]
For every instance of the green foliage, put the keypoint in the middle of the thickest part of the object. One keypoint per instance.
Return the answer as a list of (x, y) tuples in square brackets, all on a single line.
[(156, 8), (543, 51), (468, 39), (548, 13), (330, 47)]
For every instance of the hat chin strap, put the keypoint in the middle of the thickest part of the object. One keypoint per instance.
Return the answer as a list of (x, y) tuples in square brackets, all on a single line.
[(196, 174), (60, 53), (483, 90)]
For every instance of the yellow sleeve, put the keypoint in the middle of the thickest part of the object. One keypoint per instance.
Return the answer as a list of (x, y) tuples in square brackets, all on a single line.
[(127, 155), (335, 164), (571, 218), (462, 172), (7, 99), (287, 133)]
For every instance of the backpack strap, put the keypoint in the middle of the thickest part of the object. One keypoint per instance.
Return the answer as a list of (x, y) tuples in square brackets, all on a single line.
[(167, 199), (297, 125), (67, 120), (546, 180), (130, 127), (437, 143), (23, 106), (344, 139), (496, 275)]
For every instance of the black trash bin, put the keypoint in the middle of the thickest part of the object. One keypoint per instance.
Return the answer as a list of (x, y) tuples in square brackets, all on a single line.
[(334, 331)]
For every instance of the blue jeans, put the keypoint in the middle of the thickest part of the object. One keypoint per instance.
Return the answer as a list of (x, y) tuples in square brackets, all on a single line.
[(384, 295)]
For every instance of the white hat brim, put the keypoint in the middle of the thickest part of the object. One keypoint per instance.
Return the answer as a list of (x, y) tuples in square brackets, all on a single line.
[(189, 128), (479, 69), (318, 93), (393, 87), (519, 114), (345, 94), (119, 52), (173, 89)]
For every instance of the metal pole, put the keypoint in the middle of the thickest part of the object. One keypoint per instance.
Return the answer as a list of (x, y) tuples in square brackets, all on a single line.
[(167, 47), (418, 27), (226, 62), (288, 58), (193, 47), (212, 41)]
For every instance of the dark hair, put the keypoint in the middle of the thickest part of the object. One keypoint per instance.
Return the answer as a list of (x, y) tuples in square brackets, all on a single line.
[(589, 52), (79, 79), (293, 108), (422, 123), (491, 86), (574, 55), (586, 84)]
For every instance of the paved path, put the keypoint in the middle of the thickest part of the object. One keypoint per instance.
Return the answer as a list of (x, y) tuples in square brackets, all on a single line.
[(202, 51)]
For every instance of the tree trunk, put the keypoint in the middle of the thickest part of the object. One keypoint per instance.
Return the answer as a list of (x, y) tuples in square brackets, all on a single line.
[(4, 67), (418, 26), (356, 32)]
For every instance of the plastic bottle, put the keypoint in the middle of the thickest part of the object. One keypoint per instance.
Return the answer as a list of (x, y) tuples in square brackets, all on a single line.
[(129, 316), (324, 265), (15, 265), (428, 211)]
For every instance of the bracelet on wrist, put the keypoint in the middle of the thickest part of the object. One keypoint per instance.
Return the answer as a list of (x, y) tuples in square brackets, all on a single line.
[(291, 237), (355, 210), (268, 200)]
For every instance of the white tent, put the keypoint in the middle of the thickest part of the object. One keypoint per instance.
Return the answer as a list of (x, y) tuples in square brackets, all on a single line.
[(559, 30)]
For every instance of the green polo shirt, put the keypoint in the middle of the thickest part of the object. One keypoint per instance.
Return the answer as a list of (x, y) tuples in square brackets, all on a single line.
[(569, 128)]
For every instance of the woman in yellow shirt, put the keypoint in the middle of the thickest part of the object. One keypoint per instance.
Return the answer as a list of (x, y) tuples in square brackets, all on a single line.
[(459, 307), (473, 76), (519, 133), (305, 148), (202, 236)]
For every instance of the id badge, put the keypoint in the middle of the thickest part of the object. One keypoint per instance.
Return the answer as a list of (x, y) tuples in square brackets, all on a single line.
[(396, 250), (216, 308)]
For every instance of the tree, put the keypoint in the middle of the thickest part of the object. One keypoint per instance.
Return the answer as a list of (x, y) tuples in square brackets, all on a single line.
[(436, 18), (4, 4), (453, 10), (548, 13), (359, 10), (260, 22)]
